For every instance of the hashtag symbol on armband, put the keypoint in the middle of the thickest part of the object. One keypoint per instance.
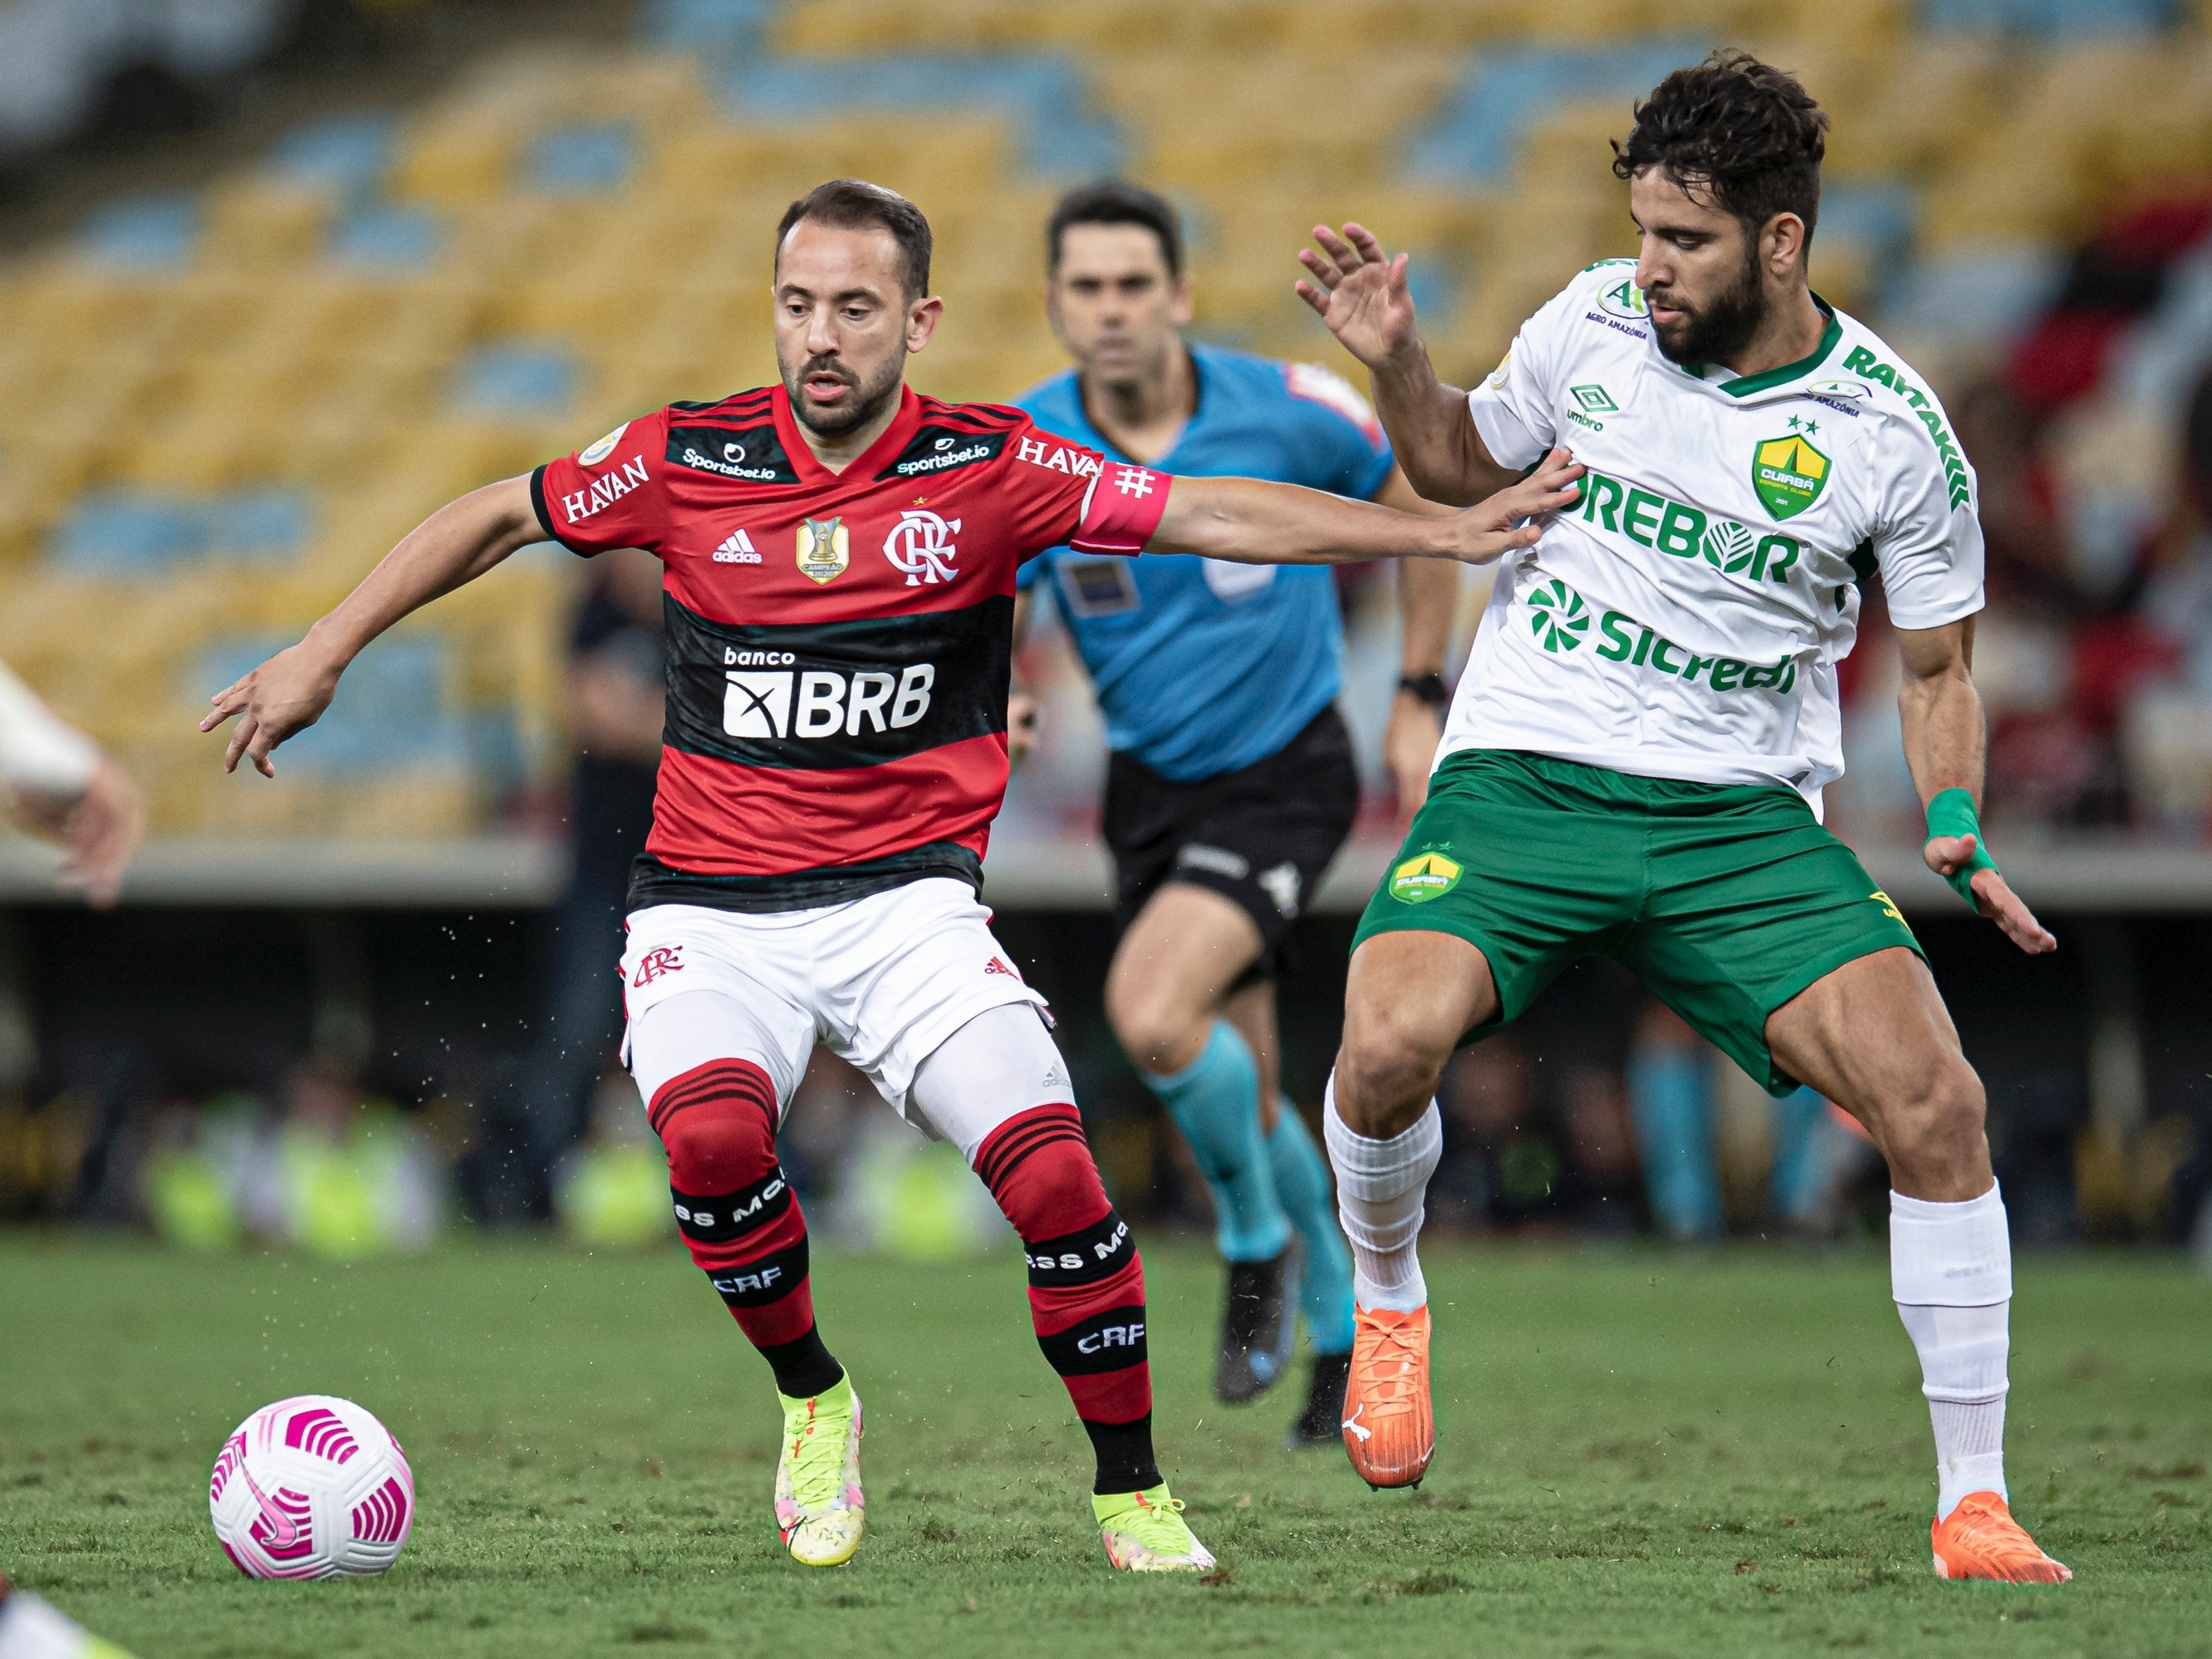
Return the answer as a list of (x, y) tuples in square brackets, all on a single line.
[(1133, 480)]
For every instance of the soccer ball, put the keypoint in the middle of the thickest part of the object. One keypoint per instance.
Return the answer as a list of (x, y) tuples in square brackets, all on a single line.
[(310, 1487)]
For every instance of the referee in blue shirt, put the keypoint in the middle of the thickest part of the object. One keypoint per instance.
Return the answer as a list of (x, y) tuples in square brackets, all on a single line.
[(1231, 783)]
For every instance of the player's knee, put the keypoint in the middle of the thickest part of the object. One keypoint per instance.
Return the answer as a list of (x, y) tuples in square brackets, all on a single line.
[(1942, 1119), (1154, 1032), (1386, 1070), (717, 1154), (719, 1128)]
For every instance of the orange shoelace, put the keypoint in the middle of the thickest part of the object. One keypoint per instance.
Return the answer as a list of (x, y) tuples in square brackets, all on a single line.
[(1387, 1373)]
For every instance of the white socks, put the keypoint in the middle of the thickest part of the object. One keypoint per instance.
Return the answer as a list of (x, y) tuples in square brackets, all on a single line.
[(1950, 1269), (1380, 1185)]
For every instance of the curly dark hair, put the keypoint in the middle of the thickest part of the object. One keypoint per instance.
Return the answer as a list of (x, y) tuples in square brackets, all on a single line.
[(1742, 133)]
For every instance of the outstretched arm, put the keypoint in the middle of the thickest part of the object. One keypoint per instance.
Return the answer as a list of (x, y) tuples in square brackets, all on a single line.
[(1428, 598), (455, 545), (1945, 744), (1249, 522), (1360, 293)]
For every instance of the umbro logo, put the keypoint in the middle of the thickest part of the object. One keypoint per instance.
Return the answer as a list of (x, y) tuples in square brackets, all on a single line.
[(738, 549)]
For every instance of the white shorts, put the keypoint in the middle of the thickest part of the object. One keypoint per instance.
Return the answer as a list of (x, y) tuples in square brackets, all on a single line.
[(883, 980)]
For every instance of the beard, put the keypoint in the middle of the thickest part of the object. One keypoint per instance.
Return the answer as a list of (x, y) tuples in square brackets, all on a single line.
[(1720, 329), (867, 402)]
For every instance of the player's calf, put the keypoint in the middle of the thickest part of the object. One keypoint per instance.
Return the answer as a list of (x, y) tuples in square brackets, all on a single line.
[(743, 1225), (1087, 1306), (1086, 1283)]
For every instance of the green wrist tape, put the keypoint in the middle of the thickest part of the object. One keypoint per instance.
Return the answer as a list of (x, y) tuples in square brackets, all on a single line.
[(1952, 813)]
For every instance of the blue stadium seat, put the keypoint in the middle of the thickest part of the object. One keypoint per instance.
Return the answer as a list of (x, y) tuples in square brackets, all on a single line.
[(516, 379), (380, 237), (1475, 136), (390, 710), (127, 533), (711, 27), (2058, 19), (141, 233), (348, 154), (1044, 95), (1983, 295), (581, 161)]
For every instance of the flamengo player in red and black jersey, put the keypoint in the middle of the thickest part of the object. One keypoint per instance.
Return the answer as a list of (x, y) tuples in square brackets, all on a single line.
[(841, 556)]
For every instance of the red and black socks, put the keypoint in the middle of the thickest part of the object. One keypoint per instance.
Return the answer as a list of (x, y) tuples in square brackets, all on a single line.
[(1087, 1284), (740, 1217)]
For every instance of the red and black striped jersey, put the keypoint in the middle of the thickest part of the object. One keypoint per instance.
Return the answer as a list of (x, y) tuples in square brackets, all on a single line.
[(838, 643)]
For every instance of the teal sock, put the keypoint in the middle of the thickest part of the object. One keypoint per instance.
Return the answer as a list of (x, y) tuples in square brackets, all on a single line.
[(1215, 1102), (1302, 1182), (1804, 1158), (1668, 1099)]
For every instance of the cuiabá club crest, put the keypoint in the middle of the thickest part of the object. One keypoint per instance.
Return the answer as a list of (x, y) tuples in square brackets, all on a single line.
[(1788, 474)]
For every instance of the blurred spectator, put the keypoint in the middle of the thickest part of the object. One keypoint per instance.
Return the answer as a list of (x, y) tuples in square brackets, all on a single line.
[(334, 1172), (610, 1190), (615, 713)]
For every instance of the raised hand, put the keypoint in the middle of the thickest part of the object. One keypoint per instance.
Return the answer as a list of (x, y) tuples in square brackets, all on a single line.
[(1360, 293), (1993, 895), (282, 698), (1514, 517)]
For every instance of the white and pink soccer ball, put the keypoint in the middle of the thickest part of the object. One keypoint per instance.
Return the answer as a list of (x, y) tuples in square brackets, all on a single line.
[(310, 1487)]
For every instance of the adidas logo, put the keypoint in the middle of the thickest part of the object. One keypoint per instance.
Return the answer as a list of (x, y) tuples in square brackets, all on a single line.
[(738, 550)]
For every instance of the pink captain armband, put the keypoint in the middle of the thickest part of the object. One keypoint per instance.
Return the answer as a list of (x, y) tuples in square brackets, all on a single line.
[(1121, 509)]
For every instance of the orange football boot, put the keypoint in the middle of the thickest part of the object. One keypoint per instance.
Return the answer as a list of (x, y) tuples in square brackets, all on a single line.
[(1980, 1539), (1389, 1431)]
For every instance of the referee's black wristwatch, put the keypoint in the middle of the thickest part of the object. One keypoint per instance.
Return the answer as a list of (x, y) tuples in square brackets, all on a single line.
[(1426, 689)]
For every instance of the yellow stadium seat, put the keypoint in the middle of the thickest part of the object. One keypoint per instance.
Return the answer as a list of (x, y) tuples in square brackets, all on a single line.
[(259, 222)]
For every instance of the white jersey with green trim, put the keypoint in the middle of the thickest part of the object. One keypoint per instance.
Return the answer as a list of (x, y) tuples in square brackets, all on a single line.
[(1685, 619)]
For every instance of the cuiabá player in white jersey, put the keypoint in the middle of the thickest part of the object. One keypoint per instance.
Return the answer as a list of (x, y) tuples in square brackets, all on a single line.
[(1634, 763), (1685, 620)]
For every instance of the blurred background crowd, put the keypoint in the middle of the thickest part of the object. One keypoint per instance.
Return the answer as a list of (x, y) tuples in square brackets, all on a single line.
[(279, 277)]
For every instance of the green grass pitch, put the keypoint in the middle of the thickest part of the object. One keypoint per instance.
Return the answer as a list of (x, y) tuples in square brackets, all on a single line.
[(1640, 1453)]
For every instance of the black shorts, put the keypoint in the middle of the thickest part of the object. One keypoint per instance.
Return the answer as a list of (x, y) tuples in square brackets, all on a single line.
[(1260, 836)]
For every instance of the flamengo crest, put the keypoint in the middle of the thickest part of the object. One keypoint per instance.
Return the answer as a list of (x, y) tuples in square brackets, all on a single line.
[(921, 544)]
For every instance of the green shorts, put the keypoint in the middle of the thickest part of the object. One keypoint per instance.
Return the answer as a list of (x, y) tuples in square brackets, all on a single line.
[(1727, 901)]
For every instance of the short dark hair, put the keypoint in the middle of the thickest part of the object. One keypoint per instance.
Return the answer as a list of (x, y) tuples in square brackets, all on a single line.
[(1742, 133), (856, 204), (1116, 202)]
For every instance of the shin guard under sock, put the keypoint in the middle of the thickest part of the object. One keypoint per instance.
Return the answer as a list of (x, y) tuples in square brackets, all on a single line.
[(1215, 1102), (1950, 1269), (738, 1216), (1381, 1186), (1301, 1184), (1086, 1283)]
